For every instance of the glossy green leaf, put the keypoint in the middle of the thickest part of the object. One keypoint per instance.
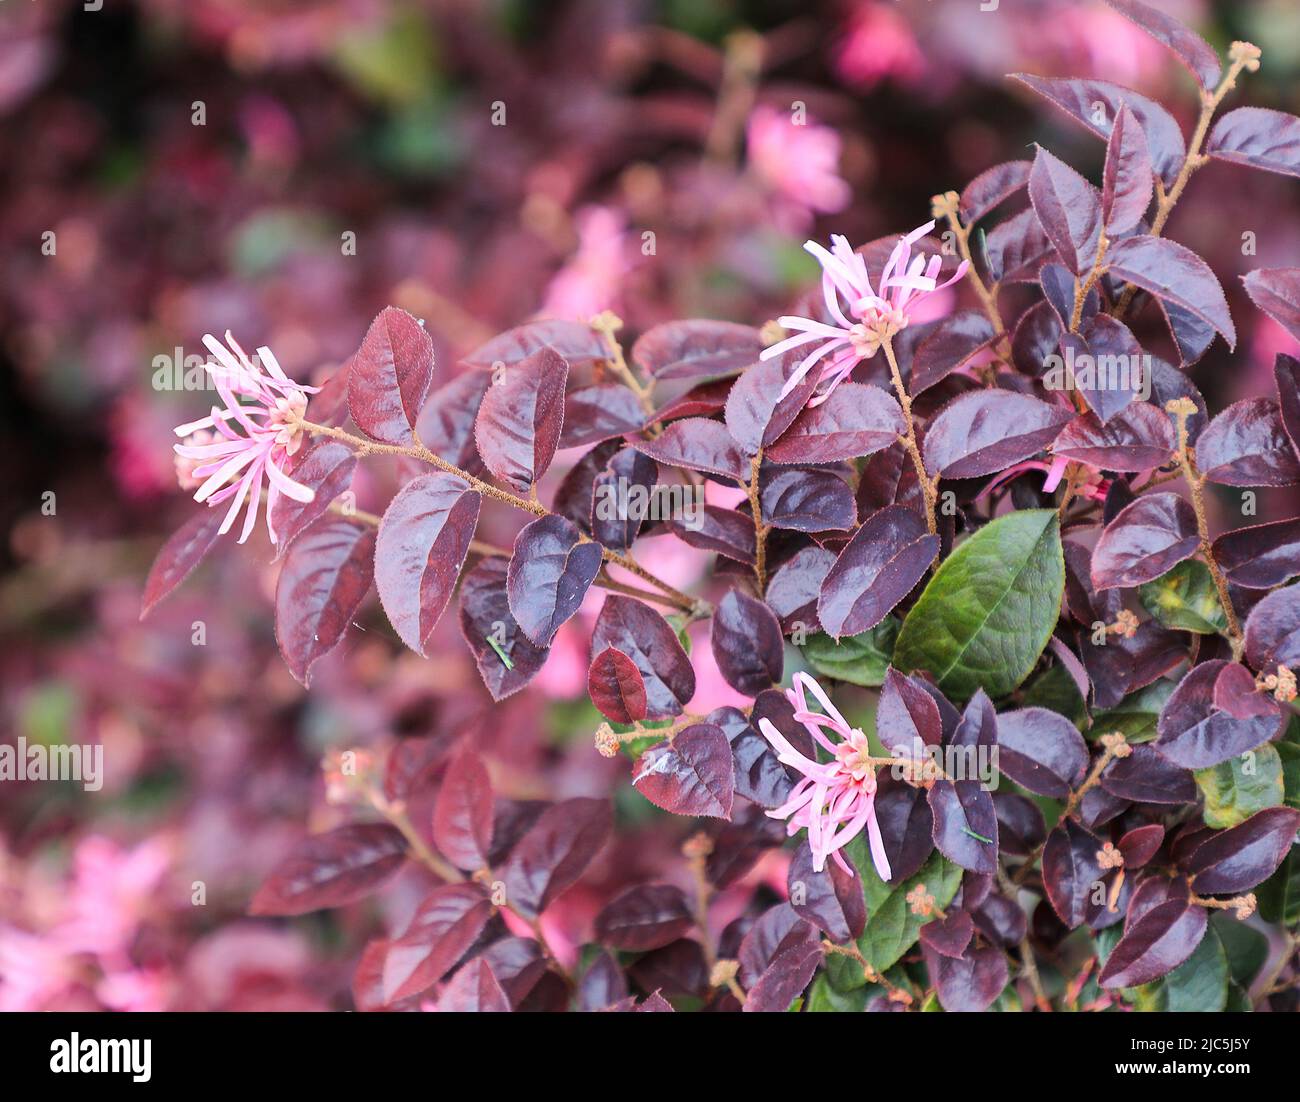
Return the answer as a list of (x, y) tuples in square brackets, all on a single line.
[(1185, 599), (989, 610), (1246, 947), (1279, 895), (1055, 689), (857, 659), (1135, 717), (892, 928), (1199, 984), (1237, 788), (824, 998)]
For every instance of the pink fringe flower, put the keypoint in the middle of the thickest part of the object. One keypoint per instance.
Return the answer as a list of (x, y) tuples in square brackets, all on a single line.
[(868, 316), (231, 465), (798, 163), (836, 799)]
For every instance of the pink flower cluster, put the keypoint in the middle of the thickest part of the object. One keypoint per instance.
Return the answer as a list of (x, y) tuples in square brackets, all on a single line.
[(799, 164)]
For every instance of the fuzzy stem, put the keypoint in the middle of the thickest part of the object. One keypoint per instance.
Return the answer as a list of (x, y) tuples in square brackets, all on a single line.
[(760, 529), (607, 324), (909, 438), (948, 206)]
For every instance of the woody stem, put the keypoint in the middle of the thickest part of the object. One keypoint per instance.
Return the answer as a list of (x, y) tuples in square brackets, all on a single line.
[(760, 529), (909, 437)]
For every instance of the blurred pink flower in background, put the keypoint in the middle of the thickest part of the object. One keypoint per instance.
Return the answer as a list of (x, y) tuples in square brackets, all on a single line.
[(877, 44), (591, 279), (799, 163), (111, 891)]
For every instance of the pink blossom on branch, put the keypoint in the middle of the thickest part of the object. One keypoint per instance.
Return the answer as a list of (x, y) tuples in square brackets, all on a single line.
[(799, 164), (835, 800), (231, 465), (868, 315)]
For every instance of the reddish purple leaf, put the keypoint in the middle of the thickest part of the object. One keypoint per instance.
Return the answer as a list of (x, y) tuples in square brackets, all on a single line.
[(600, 412), (616, 688), (507, 660), (972, 982), (555, 852), (1247, 445), (637, 630), (462, 817), (1017, 248), (331, 870), (807, 501), (645, 916), (1174, 274), (1258, 137), (325, 575), (691, 775), (1127, 177), (176, 559), (991, 187), (551, 569), (1273, 631), (1000, 920), (724, 531), (602, 983), (965, 826), (697, 349), (1118, 365), (1276, 291), (832, 900), (1070, 871), (1146, 776), (793, 591), (1154, 945), (1138, 438), (518, 424), (985, 431), (906, 825), (855, 420), (617, 509), (789, 971), (325, 468), (1068, 207), (948, 936), (446, 924), (698, 444), (1042, 751), (390, 377), (1141, 844), (474, 990), (760, 777), (878, 567), (1236, 693), (755, 412), (1243, 857), (1185, 44), (950, 346), (1021, 829), (1196, 733), (1286, 374), (702, 400), (1146, 539), (576, 341), (423, 540), (907, 718), (747, 643), (446, 424)]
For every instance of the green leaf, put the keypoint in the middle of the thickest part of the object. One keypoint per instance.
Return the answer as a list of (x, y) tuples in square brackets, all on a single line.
[(1185, 599), (1279, 895), (1055, 689), (892, 928), (1238, 1000), (1199, 984), (1135, 716), (1246, 947), (1289, 754), (989, 610), (1237, 788), (857, 659), (824, 998)]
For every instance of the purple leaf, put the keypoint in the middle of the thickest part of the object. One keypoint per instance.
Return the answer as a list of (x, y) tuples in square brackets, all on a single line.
[(948, 936), (786, 977), (645, 916), (1243, 857), (1286, 374), (1273, 631), (793, 591), (597, 413), (550, 572), (1000, 920), (698, 444), (1155, 944), (950, 346), (756, 414), (519, 422), (906, 825), (1175, 274), (462, 817), (575, 341), (602, 983), (390, 376), (1141, 844), (965, 824), (1196, 733), (832, 900), (986, 431), (555, 852), (907, 718), (991, 187), (507, 660), (1258, 137), (326, 469), (1070, 871), (717, 529), (1117, 365), (331, 870), (807, 501), (697, 349), (615, 515), (1021, 829), (691, 775), (702, 400), (1017, 249), (1146, 776), (1079, 98), (1276, 291), (1068, 207), (177, 558), (760, 777), (878, 567), (1138, 438), (1247, 445), (1042, 751), (1127, 177), (645, 637), (616, 688), (325, 575), (970, 983), (1186, 45), (446, 424), (747, 643), (446, 925), (423, 540), (474, 990), (855, 420), (1147, 538)]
